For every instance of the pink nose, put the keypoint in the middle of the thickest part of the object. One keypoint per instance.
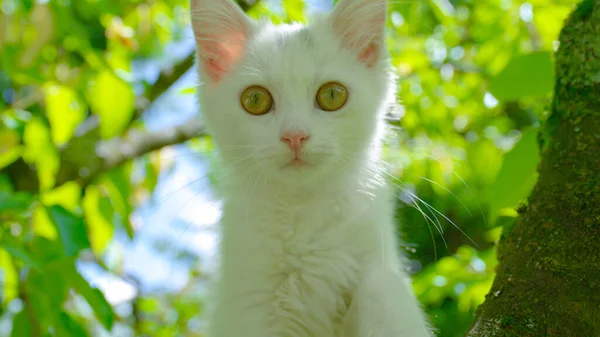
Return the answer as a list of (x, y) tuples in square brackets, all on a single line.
[(295, 139)]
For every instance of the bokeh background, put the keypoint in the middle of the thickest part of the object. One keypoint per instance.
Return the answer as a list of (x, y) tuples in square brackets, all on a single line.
[(128, 250)]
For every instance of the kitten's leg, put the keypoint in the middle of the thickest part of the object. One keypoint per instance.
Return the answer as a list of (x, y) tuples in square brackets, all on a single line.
[(383, 306)]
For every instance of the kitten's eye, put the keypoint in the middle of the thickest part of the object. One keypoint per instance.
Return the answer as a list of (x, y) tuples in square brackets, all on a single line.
[(332, 96), (256, 100)]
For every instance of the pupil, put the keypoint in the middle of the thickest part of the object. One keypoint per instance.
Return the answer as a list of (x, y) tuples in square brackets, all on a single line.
[(332, 93)]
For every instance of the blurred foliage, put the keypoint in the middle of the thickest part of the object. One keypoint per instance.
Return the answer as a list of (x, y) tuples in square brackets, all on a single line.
[(475, 79)]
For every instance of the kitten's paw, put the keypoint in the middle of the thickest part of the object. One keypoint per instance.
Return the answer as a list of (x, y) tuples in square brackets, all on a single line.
[(384, 306)]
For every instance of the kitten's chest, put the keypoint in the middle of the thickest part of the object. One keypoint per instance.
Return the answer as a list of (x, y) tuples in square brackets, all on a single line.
[(298, 269)]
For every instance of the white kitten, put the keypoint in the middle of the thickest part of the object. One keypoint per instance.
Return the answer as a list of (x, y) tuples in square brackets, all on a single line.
[(296, 112)]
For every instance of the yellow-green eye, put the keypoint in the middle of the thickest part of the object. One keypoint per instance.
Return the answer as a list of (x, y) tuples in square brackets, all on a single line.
[(256, 100), (332, 96)]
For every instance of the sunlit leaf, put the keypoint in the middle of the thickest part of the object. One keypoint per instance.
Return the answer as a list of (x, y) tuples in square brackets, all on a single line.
[(9, 278), (41, 151), (9, 147), (525, 75), (119, 187), (148, 305), (64, 110), (99, 216), (10, 156), (161, 28), (71, 229), (112, 99), (42, 225), (188, 91), (294, 9), (67, 195)]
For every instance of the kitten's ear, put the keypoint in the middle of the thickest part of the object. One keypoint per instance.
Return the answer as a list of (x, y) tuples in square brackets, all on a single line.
[(221, 30), (360, 24)]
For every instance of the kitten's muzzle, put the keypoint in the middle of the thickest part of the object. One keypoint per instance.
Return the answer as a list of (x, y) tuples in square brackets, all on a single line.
[(295, 140)]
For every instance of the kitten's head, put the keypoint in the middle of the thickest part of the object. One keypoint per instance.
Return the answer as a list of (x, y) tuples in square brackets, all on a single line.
[(295, 103)]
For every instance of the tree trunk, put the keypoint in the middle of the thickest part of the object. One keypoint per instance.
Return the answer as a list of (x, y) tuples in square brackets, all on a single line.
[(548, 278)]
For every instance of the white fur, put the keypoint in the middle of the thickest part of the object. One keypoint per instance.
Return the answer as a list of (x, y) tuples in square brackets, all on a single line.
[(307, 251)]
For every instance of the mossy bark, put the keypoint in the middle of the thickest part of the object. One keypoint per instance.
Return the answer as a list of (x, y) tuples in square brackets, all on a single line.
[(548, 278)]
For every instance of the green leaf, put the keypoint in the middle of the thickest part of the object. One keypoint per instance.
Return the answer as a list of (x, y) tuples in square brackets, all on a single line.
[(40, 150), (149, 304), (21, 325), (27, 4), (152, 165), (46, 250), (99, 216), (16, 249), (10, 156), (102, 309), (15, 202), (518, 174), (67, 326), (10, 150), (71, 229), (47, 291), (525, 75), (119, 187), (112, 99), (64, 110)]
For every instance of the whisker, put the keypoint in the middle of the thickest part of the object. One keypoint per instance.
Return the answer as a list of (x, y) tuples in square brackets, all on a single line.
[(254, 178), (465, 184), (190, 224), (172, 193), (185, 204), (447, 190), (439, 226), (445, 217), (429, 223)]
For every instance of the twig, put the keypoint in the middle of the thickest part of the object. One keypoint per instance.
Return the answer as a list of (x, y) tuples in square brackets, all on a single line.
[(27, 306), (170, 76), (136, 143)]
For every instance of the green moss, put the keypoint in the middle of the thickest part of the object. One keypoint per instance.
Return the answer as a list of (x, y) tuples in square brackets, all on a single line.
[(507, 321), (584, 10), (507, 228)]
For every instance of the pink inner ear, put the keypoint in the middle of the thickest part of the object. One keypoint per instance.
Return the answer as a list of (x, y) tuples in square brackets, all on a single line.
[(360, 25), (369, 55), (221, 30), (220, 57), (214, 68)]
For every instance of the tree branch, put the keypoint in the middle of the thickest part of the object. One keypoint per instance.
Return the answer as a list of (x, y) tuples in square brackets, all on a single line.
[(167, 78), (114, 152)]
